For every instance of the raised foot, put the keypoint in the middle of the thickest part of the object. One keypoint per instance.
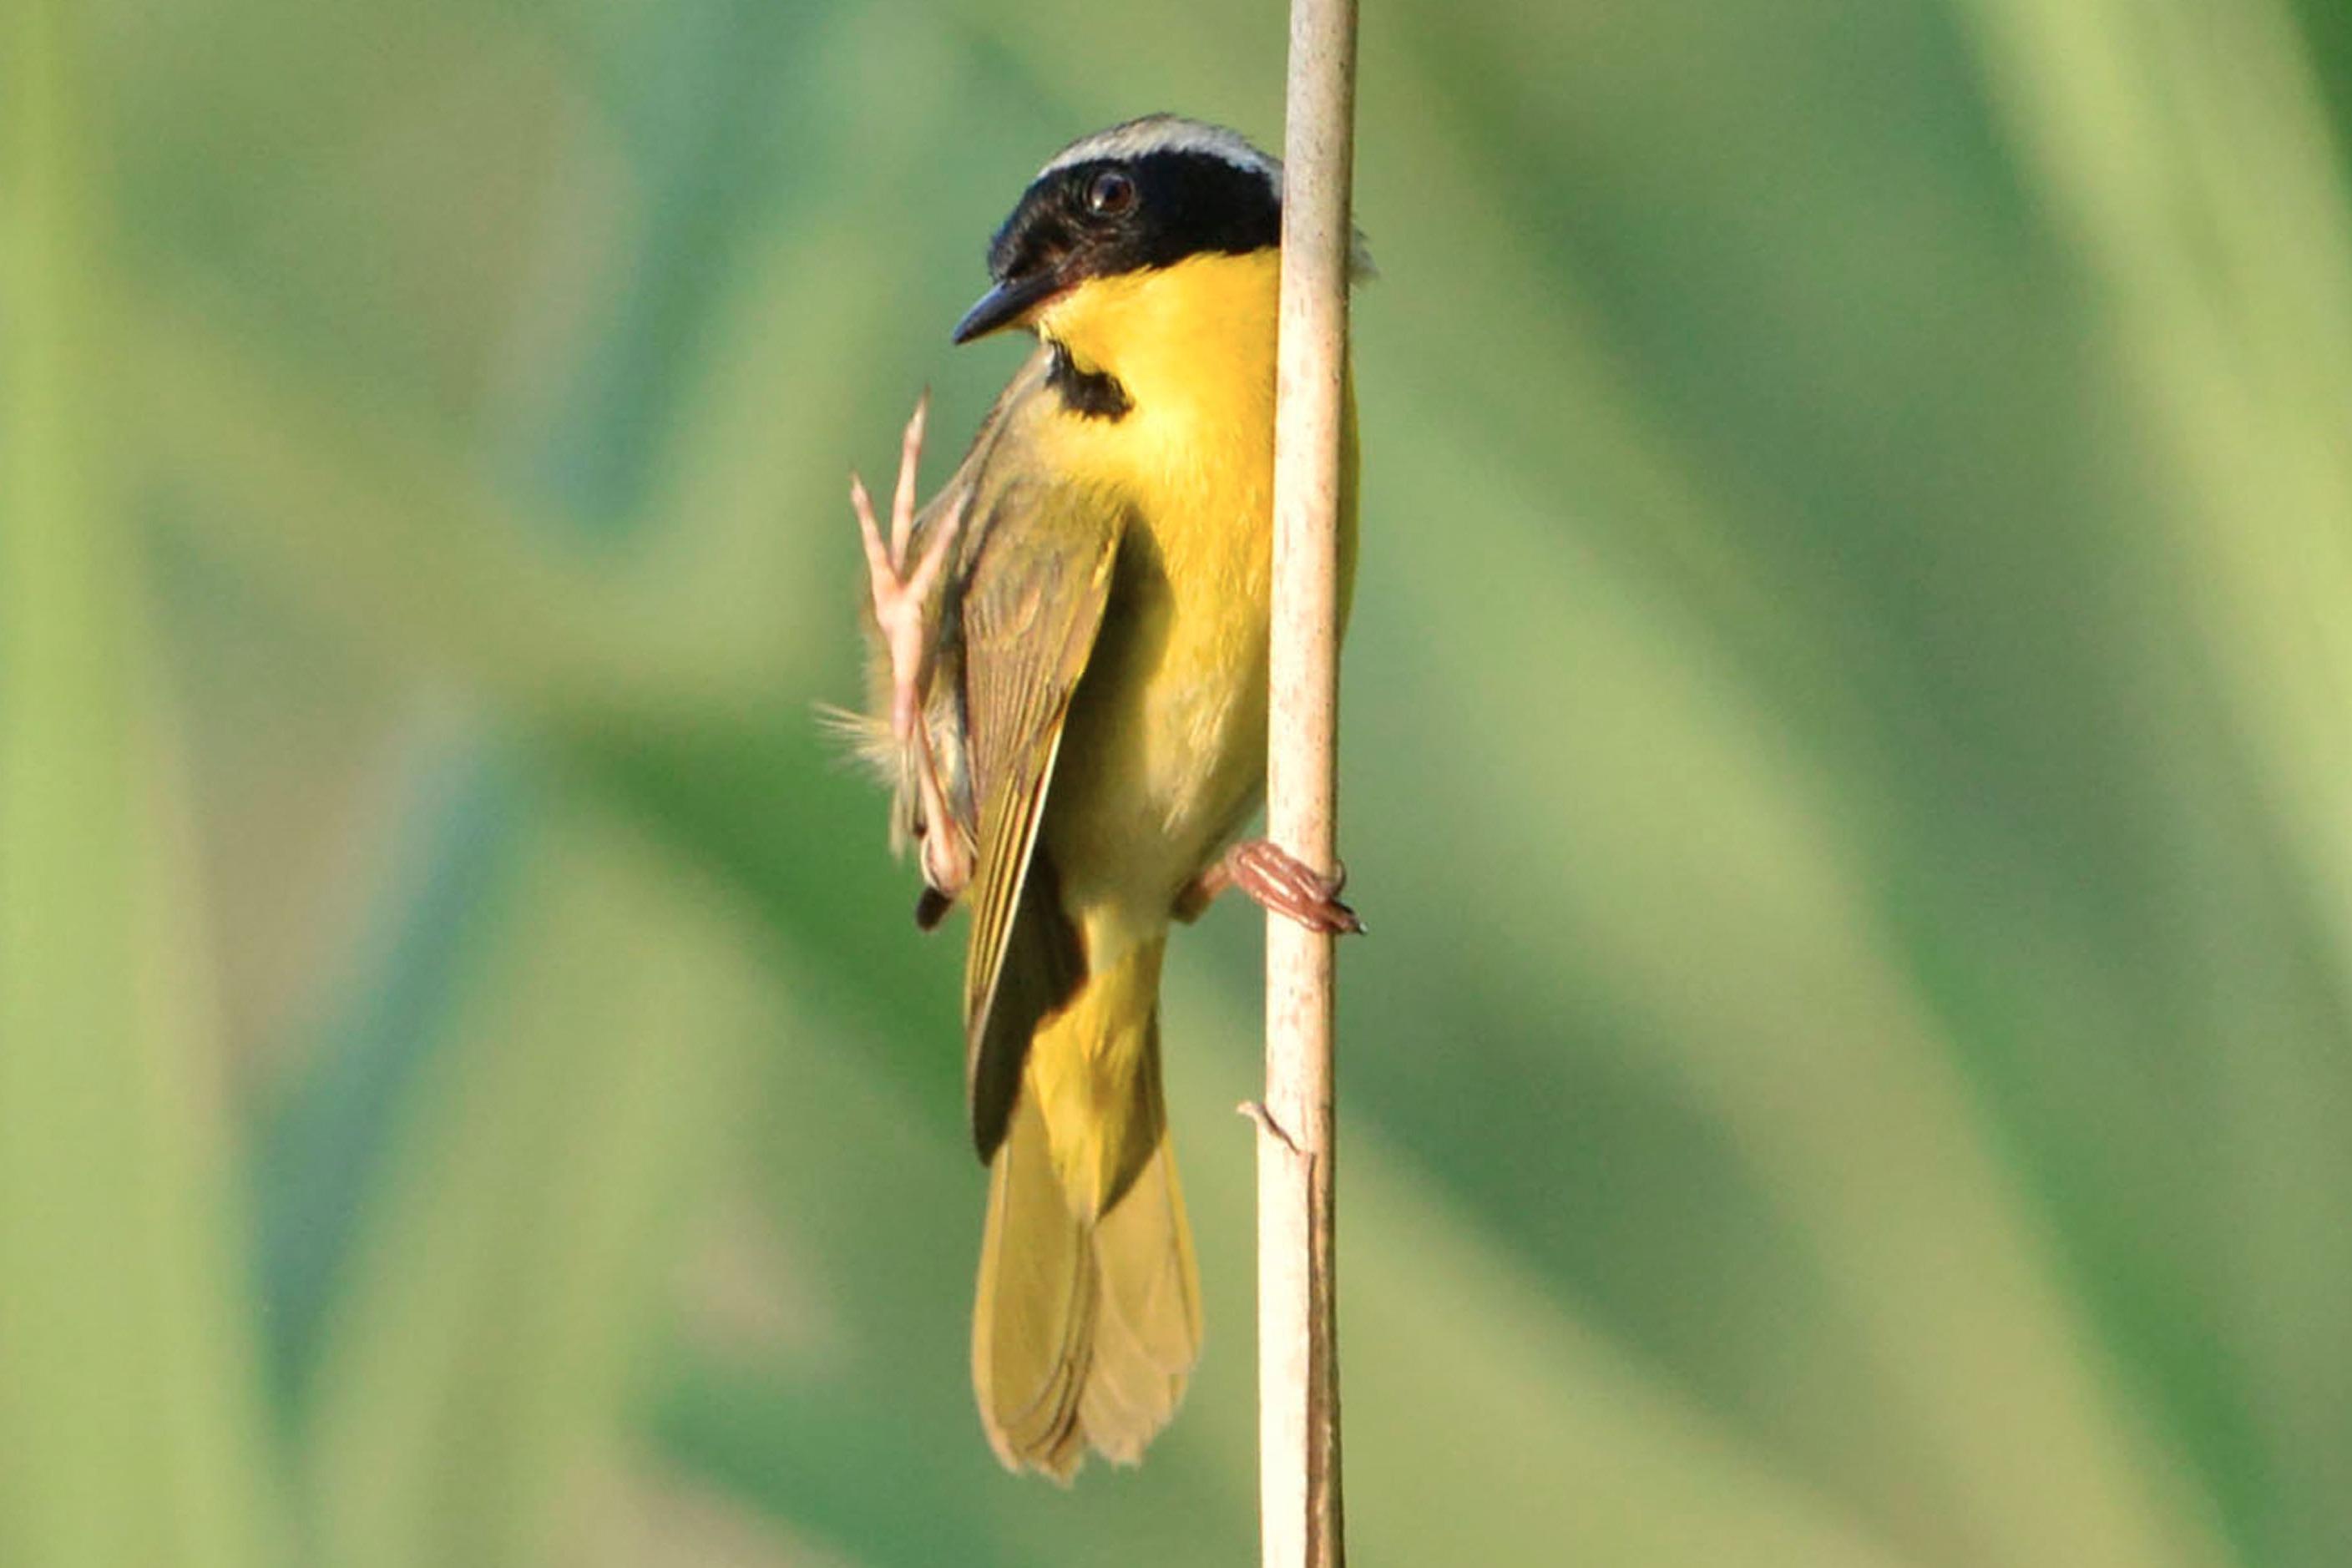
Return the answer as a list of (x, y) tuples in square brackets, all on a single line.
[(1280, 882), (899, 594), (902, 599)]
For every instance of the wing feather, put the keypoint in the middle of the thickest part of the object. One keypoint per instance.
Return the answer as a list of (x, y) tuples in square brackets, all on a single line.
[(1034, 603), (1017, 615)]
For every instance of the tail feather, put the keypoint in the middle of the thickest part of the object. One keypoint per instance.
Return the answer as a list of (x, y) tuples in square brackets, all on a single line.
[(1085, 1329), (1146, 1313), (1030, 1326)]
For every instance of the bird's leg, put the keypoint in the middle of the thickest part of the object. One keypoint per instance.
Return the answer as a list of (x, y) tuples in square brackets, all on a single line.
[(1280, 881), (899, 594), (900, 598), (947, 860)]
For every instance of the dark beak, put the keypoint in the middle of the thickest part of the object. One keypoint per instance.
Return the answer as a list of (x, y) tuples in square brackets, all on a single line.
[(1004, 305)]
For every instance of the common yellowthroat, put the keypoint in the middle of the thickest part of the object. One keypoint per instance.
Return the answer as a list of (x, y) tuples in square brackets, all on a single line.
[(1070, 700)]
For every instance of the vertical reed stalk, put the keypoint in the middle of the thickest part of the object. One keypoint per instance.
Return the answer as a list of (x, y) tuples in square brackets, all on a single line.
[(1298, 1381)]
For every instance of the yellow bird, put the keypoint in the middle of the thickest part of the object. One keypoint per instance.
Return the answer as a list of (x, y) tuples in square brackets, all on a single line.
[(1070, 683)]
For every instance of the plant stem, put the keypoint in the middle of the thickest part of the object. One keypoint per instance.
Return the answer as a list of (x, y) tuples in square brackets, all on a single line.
[(1298, 1381)]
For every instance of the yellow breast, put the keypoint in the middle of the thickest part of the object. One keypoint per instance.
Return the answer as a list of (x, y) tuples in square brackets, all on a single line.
[(1164, 758)]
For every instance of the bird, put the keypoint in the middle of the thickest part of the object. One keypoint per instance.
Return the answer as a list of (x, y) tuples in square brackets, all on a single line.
[(1067, 689)]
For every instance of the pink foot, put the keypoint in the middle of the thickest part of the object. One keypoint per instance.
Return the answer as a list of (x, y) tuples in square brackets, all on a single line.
[(901, 606), (1277, 880), (899, 595)]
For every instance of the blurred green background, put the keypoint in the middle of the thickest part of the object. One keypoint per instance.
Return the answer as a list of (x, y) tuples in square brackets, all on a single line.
[(1848, 762)]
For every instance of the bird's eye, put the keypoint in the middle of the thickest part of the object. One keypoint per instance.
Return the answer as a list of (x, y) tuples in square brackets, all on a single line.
[(1111, 194)]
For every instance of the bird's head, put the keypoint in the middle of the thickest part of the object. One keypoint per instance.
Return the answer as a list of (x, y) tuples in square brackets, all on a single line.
[(1146, 195)]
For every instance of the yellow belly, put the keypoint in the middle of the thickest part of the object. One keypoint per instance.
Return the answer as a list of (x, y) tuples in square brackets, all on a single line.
[(1163, 759)]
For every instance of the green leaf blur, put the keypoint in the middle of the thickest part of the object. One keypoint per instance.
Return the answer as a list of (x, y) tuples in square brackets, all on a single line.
[(1847, 763)]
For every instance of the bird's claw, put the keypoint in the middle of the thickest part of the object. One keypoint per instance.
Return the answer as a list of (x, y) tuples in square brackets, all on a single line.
[(901, 597), (1280, 882), (901, 594)]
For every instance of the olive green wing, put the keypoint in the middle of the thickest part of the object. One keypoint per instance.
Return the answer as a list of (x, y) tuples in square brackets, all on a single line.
[(1030, 604), (868, 733)]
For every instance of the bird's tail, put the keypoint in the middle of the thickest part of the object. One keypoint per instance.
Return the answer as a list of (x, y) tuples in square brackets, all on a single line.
[(1088, 1317)]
